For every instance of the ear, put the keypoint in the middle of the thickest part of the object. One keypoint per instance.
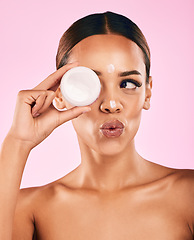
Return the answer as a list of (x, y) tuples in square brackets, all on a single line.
[(59, 100), (148, 94)]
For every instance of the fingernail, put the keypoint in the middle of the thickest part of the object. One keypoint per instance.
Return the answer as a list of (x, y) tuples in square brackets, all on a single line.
[(36, 114)]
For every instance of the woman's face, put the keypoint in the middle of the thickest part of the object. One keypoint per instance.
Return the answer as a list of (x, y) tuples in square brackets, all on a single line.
[(118, 62)]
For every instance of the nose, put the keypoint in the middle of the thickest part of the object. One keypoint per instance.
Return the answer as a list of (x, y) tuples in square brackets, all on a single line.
[(111, 106)]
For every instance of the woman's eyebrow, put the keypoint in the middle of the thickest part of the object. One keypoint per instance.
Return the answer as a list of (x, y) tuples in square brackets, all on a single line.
[(127, 73), (122, 74)]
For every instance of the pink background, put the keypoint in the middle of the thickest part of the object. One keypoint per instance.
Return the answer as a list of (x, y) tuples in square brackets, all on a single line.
[(30, 32)]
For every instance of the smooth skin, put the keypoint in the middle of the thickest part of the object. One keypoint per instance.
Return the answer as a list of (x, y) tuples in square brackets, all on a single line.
[(114, 193)]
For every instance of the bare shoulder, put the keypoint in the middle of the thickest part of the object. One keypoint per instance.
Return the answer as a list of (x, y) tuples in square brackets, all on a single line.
[(183, 192), (25, 201), (179, 190), (23, 225), (31, 202), (180, 177), (33, 196), (185, 182), (179, 182)]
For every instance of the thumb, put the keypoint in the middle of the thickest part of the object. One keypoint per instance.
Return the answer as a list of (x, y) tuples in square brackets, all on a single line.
[(71, 114)]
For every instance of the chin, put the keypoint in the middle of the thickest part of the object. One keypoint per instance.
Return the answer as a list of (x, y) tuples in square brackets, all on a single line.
[(111, 147)]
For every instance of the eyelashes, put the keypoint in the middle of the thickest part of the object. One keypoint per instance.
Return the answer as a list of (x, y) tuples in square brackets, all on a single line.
[(130, 84)]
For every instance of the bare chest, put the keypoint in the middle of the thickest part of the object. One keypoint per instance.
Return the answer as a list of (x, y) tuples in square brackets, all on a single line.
[(111, 217)]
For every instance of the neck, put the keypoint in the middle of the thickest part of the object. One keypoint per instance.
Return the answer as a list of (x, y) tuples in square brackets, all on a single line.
[(109, 173)]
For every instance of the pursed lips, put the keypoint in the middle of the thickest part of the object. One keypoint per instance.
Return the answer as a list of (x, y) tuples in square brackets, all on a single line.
[(112, 128), (112, 124)]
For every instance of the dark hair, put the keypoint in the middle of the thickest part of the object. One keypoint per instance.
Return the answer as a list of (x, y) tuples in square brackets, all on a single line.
[(101, 23)]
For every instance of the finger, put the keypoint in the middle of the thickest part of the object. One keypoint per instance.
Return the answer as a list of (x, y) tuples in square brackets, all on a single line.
[(46, 103), (53, 79), (29, 96), (71, 114), (39, 102)]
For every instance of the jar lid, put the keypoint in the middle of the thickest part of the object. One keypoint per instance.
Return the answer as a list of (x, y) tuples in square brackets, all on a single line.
[(80, 86)]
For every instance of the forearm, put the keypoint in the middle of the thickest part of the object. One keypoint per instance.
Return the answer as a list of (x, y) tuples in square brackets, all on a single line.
[(13, 157)]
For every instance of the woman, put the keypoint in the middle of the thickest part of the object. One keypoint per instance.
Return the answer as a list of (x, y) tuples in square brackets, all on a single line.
[(114, 193)]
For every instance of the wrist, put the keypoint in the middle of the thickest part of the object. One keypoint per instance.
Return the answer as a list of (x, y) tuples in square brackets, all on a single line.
[(13, 157), (17, 143)]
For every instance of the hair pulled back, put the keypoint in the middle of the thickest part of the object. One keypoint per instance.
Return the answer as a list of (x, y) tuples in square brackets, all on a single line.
[(101, 23)]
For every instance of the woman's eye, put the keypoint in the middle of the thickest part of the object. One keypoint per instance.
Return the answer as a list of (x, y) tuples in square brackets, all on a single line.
[(130, 84)]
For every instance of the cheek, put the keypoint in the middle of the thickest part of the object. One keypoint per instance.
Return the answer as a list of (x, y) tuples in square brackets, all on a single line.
[(83, 126), (132, 114), (134, 105)]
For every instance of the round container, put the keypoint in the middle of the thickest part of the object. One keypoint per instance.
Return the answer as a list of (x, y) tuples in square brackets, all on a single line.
[(80, 86)]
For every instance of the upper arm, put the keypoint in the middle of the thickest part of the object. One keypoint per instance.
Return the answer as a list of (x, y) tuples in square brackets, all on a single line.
[(23, 226), (187, 195), (190, 189), (192, 199)]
